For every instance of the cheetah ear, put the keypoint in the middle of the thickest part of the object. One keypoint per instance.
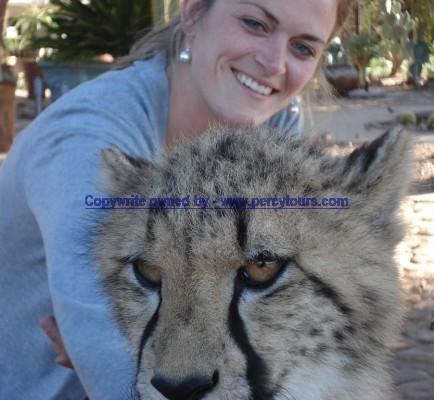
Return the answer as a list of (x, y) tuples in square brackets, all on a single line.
[(380, 169), (123, 174)]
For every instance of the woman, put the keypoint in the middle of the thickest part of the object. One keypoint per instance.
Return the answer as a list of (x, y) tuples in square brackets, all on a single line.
[(235, 61)]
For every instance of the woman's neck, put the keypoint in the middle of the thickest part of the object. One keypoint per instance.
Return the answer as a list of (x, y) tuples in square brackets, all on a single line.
[(187, 115)]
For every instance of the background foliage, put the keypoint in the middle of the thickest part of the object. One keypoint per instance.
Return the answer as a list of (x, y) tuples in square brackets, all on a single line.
[(3, 4), (80, 30), (423, 13)]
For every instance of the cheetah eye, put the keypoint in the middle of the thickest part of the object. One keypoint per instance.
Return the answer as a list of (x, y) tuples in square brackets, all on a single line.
[(262, 271), (147, 275)]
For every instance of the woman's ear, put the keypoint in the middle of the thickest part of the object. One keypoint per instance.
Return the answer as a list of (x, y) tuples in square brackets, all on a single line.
[(190, 12)]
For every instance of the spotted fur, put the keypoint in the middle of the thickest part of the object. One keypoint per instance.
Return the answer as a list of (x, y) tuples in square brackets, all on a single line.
[(320, 330)]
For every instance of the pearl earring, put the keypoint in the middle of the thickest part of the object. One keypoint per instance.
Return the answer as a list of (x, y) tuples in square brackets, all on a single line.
[(185, 55)]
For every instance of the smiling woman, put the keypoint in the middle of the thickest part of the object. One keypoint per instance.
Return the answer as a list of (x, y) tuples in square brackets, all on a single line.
[(247, 59), (226, 62), (275, 55)]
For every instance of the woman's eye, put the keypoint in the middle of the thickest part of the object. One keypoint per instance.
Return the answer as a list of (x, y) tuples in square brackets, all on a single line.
[(304, 50), (148, 276), (261, 272), (254, 25)]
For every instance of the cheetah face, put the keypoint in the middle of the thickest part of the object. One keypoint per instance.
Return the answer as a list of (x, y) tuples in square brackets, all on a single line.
[(257, 304)]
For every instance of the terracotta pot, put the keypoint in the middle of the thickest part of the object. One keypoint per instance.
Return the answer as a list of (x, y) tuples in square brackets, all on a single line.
[(31, 72), (7, 115), (343, 78)]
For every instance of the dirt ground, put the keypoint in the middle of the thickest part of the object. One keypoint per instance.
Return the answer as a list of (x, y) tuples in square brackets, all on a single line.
[(414, 352), (350, 118), (350, 121)]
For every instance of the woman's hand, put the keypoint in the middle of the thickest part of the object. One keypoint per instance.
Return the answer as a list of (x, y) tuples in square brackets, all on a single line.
[(49, 326)]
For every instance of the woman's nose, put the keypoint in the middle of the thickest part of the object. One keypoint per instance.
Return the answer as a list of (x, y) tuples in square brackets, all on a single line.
[(273, 57)]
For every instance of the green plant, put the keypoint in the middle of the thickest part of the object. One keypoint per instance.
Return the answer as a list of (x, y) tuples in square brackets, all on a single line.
[(379, 67), (10, 46), (430, 121), (30, 25), (3, 4), (334, 53), (391, 21), (7, 75), (429, 67), (79, 29), (408, 118), (395, 32), (362, 48), (423, 13)]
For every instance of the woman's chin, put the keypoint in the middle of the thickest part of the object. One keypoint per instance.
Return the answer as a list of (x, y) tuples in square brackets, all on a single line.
[(243, 120)]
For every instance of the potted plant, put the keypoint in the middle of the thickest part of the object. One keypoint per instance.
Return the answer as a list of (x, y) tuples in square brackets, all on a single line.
[(395, 31), (342, 76), (7, 91), (362, 47), (80, 33), (29, 25)]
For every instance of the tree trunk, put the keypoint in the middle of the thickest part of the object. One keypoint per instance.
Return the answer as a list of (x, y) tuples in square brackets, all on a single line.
[(357, 18), (396, 65), (162, 10), (3, 4)]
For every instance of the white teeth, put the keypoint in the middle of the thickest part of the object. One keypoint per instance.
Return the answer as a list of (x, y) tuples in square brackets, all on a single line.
[(253, 85)]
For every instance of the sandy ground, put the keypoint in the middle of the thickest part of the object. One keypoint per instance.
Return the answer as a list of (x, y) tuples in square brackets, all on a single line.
[(348, 119), (414, 352)]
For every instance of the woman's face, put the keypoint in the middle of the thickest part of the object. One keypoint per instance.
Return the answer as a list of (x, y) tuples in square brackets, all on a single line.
[(250, 57)]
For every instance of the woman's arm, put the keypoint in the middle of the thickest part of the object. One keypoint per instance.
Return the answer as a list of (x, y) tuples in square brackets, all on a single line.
[(52, 166), (58, 176)]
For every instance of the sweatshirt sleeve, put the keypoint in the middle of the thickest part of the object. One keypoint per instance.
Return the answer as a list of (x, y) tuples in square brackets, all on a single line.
[(290, 119), (58, 176), (60, 164)]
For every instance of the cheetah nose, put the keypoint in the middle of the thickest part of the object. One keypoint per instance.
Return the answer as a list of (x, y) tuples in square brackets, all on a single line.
[(191, 388)]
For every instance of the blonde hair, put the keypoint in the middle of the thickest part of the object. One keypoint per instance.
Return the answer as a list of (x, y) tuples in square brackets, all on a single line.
[(170, 37)]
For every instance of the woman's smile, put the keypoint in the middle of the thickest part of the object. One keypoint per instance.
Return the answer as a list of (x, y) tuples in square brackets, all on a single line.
[(268, 50), (253, 84)]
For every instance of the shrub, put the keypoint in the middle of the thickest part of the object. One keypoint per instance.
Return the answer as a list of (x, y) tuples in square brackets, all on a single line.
[(430, 121), (79, 29), (408, 118)]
